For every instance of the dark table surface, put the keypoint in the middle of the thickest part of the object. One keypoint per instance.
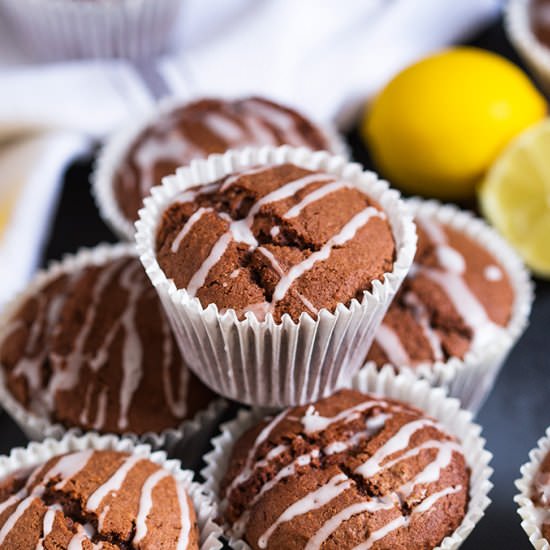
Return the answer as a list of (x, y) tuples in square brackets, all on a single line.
[(513, 418)]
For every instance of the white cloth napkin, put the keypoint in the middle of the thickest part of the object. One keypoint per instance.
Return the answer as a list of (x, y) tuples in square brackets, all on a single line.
[(324, 57)]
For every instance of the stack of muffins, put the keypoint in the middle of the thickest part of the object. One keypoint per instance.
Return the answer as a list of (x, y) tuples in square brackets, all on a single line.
[(271, 271)]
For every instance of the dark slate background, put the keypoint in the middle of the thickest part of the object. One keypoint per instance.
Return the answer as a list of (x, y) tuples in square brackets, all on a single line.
[(513, 418)]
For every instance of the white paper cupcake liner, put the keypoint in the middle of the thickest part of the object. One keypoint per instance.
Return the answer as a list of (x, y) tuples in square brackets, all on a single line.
[(69, 29), (472, 378), (38, 427), (267, 363), (116, 147), (526, 508), (518, 28), (403, 387), (37, 453)]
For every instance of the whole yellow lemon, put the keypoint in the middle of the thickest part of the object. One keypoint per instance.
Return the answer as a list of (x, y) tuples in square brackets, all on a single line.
[(435, 129)]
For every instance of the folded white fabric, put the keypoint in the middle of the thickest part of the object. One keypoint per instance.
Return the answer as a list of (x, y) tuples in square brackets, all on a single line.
[(321, 56), (48, 116), (30, 174)]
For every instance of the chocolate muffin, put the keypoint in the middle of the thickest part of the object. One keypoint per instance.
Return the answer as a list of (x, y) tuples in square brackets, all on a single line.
[(350, 471), (275, 239), (200, 128), (540, 495), (93, 349), (456, 297), (96, 499)]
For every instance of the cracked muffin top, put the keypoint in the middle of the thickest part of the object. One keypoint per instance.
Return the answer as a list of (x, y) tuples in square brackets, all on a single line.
[(92, 348), (456, 297), (275, 239), (200, 128), (96, 499), (350, 471)]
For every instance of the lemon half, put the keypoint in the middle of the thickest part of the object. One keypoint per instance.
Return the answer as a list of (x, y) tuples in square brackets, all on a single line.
[(515, 196)]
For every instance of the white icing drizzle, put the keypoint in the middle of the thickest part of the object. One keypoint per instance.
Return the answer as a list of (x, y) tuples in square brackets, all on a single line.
[(316, 195), (101, 415), (10, 522), (67, 467), (313, 422), (315, 499), (373, 425), (101, 517), (290, 469), (493, 273), (404, 521), (234, 178), (287, 190), (250, 463), (280, 119), (451, 259), (421, 315), (346, 234), (451, 282), (66, 378), (170, 146), (224, 127), (218, 250), (47, 524), (193, 219), (274, 231), (335, 521), (132, 351), (78, 539), (30, 365), (391, 345), (113, 484), (146, 503), (397, 442)]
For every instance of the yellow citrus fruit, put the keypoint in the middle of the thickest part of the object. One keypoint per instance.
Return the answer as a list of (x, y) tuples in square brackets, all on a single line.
[(515, 196), (435, 129)]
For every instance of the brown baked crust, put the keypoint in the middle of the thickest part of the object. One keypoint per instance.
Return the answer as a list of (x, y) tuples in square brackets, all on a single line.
[(199, 129), (94, 350), (258, 241), (138, 504), (424, 322), (381, 473)]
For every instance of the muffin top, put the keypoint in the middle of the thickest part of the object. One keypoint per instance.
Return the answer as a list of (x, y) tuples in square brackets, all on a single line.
[(96, 499), (540, 495), (93, 349), (199, 129), (350, 471), (275, 239), (457, 296)]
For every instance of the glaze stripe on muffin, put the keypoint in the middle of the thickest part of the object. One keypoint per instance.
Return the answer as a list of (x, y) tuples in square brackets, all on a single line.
[(94, 499), (254, 240), (456, 297), (385, 459)]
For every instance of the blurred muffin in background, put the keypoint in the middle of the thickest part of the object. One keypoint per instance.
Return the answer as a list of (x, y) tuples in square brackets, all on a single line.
[(72, 29), (138, 158)]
